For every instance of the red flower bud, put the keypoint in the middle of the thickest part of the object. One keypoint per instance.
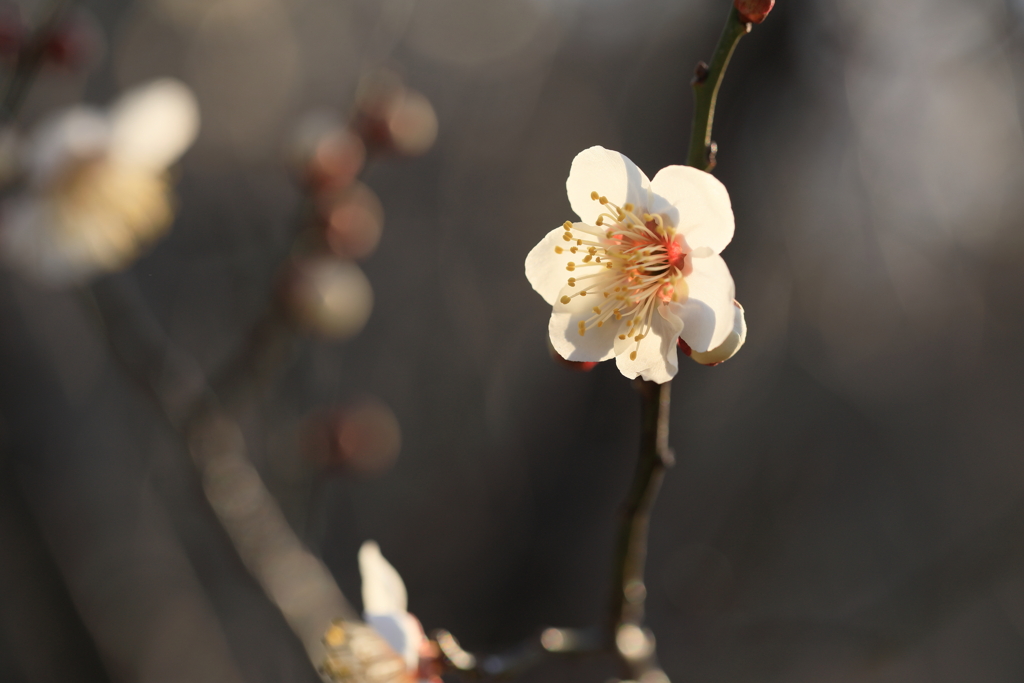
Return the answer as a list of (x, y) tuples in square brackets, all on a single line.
[(362, 438), (352, 221), (753, 11), (393, 118)]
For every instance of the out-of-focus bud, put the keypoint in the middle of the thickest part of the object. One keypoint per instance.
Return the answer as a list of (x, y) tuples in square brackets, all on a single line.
[(578, 366), (328, 155), (726, 349), (327, 296), (75, 42), (753, 11), (361, 438), (12, 32), (353, 220), (391, 117)]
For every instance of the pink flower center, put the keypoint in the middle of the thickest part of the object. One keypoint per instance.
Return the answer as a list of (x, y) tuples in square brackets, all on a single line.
[(637, 260)]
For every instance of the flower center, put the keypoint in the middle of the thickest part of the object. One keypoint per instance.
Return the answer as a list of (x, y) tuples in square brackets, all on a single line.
[(637, 260)]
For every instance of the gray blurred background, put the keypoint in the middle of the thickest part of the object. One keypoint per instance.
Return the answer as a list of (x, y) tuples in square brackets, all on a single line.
[(848, 499)]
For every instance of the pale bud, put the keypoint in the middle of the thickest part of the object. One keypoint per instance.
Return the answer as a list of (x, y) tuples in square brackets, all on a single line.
[(327, 296)]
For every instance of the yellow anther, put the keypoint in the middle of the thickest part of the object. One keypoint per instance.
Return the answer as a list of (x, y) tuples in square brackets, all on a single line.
[(559, 250), (597, 310), (583, 328), (606, 295), (632, 356), (646, 217), (622, 336), (592, 250), (594, 195), (573, 250), (628, 207), (567, 236), (597, 260), (579, 243), (567, 225), (572, 282), (639, 337), (608, 265), (600, 220), (571, 267), (583, 292), (602, 199), (564, 299), (587, 258)]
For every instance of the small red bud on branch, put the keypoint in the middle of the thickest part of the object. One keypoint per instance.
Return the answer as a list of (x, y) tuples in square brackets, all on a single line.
[(753, 11)]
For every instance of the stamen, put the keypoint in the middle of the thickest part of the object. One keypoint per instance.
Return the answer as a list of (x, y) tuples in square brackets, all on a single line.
[(565, 299), (567, 225), (571, 267), (559, 250)]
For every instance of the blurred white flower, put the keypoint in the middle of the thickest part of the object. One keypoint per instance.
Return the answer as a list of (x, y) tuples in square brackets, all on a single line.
[(97, 190), (643, 264), (385, 604)]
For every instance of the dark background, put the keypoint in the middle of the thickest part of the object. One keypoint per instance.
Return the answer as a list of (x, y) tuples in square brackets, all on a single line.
[(848, 499)]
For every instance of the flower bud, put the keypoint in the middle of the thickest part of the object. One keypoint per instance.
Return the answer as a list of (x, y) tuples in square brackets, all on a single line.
[(392, 117), (726, 349), (353, 220), (328, 155), (753, 11), (327, 296), (361, 438)]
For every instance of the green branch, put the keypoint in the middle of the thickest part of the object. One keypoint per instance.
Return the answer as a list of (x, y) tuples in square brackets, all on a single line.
[(706, 81)]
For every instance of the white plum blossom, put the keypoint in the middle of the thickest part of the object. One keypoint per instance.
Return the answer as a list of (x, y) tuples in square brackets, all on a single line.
[(97, 191), (385, 607), (640, 269)]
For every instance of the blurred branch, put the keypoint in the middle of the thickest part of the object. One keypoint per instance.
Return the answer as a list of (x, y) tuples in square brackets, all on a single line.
[(294, 580), (706, 81)]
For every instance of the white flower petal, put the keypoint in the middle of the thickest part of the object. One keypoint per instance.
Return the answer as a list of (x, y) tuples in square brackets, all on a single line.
[(403, 633), (732, 343), (656, 357), (608, 173), (383, 589), (563, 328), (545, 269), (696, 203), (154, 124), (708, 312), (74, 134)]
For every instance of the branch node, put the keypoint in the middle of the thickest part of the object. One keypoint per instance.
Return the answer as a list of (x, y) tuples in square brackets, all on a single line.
[(700, 74)]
